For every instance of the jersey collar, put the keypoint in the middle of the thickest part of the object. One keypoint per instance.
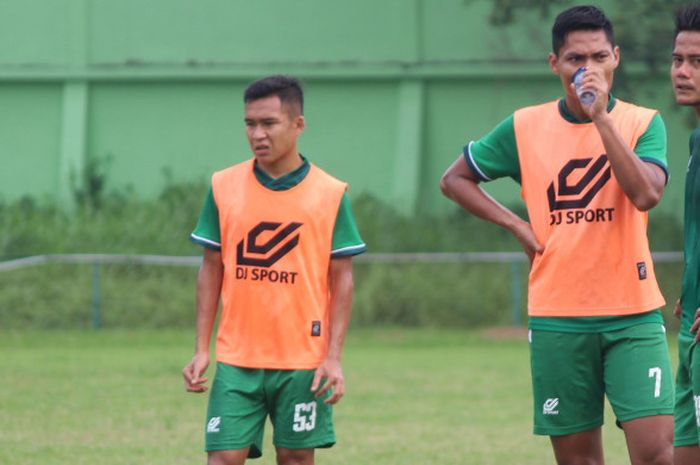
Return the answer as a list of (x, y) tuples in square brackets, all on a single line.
[(284, 182), (568, 116)]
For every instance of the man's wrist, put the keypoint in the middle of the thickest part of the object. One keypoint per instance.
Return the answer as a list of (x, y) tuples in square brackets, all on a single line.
[(514, 224), (602, 119), (199, 351), (333, 356)]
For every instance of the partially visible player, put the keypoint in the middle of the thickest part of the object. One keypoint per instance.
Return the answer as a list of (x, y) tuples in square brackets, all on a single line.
[(279, 236), (685, 74), (588, 175)]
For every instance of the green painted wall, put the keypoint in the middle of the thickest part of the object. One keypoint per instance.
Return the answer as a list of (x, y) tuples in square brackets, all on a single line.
[(394, 89), (149, 129), (30, 127)]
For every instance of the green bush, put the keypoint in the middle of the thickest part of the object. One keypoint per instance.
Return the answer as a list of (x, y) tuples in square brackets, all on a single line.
[(440, 295), (122, 224), (464, 295)]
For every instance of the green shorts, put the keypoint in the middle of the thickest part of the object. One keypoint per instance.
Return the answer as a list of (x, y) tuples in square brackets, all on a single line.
[(242, 398), (686, 417), (572, 373)]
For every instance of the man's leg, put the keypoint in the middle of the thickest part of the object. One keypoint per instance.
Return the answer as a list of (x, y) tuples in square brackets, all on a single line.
[(639, 384), (300, 421), (235, 415), (567, 382), (687, 409), (688, 455), (295, 456), (579, 448), (228, 457), (650, 440)]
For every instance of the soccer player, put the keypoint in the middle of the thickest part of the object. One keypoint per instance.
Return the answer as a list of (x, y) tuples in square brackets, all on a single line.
[(279, 236), (588, 175), (685, 74)]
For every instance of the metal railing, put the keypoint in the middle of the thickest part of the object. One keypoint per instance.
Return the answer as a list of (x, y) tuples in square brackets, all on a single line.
[(517, 261)]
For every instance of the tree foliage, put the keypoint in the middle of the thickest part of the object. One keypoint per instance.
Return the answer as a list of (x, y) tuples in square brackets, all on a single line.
[(643, 28), (505, 11)]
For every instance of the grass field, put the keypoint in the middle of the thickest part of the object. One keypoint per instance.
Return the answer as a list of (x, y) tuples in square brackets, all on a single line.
[(414, 396)]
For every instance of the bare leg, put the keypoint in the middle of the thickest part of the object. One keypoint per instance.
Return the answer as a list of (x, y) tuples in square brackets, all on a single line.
[(650, 440), (295, 456), (579, 449), (228, 457), (686, 455)]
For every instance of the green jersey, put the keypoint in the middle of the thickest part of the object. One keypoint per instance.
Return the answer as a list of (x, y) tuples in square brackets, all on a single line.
[(346, 236), (496, 156), (690, 294)]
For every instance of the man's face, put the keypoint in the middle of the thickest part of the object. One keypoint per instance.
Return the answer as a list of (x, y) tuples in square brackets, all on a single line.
[(585, 48), (272, 132), (685, 68)]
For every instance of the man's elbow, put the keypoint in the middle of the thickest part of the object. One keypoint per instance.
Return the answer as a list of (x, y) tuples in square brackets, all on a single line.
[(647, 201), (445, 185)]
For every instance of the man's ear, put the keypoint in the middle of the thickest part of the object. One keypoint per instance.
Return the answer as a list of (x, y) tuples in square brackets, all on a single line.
[(553, 63)]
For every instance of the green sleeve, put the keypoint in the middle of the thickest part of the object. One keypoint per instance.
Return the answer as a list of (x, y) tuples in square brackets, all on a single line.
[(207, 232), (496, 154), (693, 148), (346, 236), (651, 146)]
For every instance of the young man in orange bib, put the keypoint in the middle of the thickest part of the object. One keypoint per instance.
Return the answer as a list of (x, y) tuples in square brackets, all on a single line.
[(278, 236), (589, 173)]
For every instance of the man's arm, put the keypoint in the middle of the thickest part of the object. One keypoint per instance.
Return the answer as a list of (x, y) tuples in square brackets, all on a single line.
[(209, 280), (695, 324), (341, 287), (642, 182), (461, 185)]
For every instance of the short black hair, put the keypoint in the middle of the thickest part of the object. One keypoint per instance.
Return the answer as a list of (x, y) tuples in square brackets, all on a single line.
[(580, 18), (688, 19), (287, 88)]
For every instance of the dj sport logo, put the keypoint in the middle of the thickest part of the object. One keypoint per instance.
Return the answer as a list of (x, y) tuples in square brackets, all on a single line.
[(577, 184), (255, 254)]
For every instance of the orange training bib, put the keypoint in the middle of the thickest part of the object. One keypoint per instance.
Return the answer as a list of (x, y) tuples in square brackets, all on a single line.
[(276, 248), (596, 260)]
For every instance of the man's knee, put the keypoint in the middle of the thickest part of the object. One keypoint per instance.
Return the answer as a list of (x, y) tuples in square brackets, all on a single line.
[(658, 452), (661, 455), (216, 459), (650, 440), (578, 460), (584, 448), (227, 457), (295, 456)]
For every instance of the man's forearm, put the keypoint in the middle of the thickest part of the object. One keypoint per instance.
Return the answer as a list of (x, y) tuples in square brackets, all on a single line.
[(209, 282), (342, 286), (641, 182), (461, 185), (468, 195)]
